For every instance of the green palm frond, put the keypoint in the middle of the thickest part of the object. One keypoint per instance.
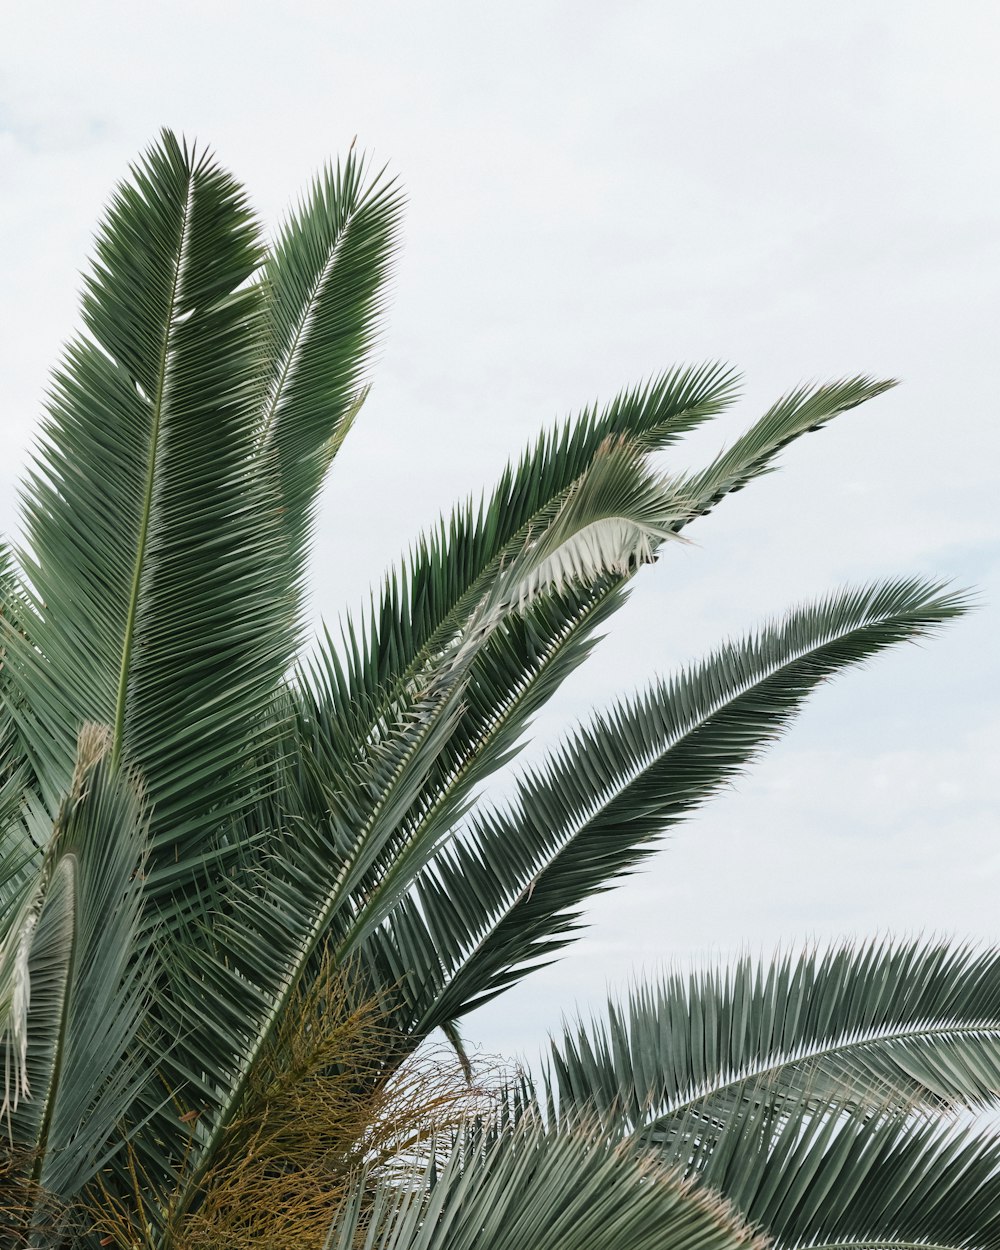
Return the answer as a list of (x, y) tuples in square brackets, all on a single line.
[(301, 898), (831, 1177), (612, 521), (152, 553), (527, 658), (810, 1091), (910, 1024), (531, 1187), (369, 832), (431, 596), (75, 979), (505, 896), (446, 576), (429, 601), (802, 411), (606, 521), (324, 281), (17, 780), (307, 901), (19, 854)]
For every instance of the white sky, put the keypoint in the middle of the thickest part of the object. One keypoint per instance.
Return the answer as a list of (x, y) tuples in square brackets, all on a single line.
[(598, 191)]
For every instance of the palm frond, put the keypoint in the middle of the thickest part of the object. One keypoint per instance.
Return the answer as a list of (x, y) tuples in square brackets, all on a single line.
[(358, 833), (228, 896), (504, 897), (324, 282), (618, 492), (915, 1025), (612, 520), (529, 1187), (153, 555), (74, 979), (810, 1092), (802, 411), (432, 594), (429, 602), (262, 930), (524, 663), (18, 784), (831, 1176)]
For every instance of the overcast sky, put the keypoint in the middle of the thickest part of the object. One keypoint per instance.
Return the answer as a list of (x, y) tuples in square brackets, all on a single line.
[(597, 191)]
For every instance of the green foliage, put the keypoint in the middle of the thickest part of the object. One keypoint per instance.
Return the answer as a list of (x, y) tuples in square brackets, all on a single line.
[(242, 881)]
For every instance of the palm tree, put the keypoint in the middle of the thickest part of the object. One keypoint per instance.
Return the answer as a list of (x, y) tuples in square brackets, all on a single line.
[(243, 882)]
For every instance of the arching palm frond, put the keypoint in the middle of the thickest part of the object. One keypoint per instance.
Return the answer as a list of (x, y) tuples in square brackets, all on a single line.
[(802, 411), (505, 896), (915, 1025), (427, 603), (18, 783), (429, 600), (431, 595), (335, 870), (810, 1091), (530, 653), (620, 504), (826, 1174)]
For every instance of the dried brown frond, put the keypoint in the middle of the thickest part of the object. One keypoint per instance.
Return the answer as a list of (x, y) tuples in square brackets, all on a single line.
[(328, 1099), (26, 1212), (16, 1205), (286, 1158), (123, 1221)]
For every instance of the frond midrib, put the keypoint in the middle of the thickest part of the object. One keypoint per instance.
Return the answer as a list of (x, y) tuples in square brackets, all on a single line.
[(459, 610), (498, 722), (128, 642), (487, 572), (809, 1055), (498, 725), (304, 323)]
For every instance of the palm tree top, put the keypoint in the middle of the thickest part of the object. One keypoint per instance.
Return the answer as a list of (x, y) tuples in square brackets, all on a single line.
[(243, 878)]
